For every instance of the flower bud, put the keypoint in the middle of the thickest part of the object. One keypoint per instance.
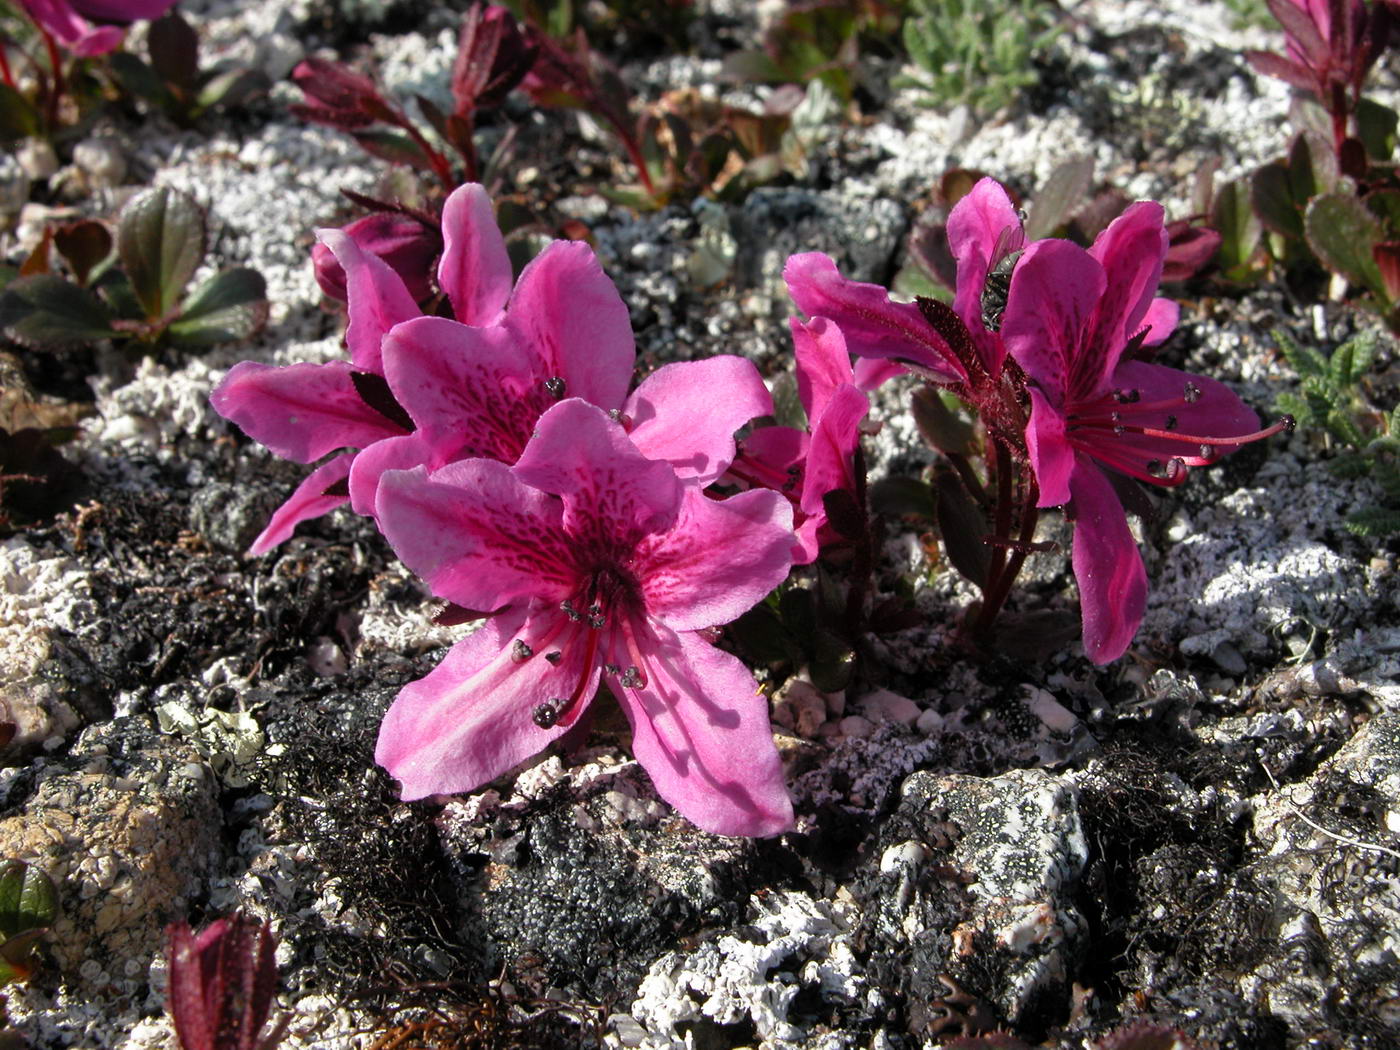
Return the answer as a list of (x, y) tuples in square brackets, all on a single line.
[(410, 248)]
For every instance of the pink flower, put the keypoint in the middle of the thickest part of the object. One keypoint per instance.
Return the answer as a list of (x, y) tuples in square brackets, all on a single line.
[(303, 412), (1070, 314), (805, 466), (428, 390), (68, 21), (603, 565)]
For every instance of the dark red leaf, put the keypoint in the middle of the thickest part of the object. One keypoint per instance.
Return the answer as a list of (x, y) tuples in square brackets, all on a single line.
[(374, 391)]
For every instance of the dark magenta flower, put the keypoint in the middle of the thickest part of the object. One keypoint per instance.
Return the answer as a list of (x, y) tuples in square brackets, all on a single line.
[(1070, 315)]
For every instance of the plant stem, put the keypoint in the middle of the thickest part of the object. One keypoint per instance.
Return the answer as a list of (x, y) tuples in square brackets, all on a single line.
[(5, 69), (57, 86), (969, 477), (999, 587)]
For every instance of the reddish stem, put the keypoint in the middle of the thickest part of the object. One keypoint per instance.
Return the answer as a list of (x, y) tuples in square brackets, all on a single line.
[(56, 67), (5, 69)]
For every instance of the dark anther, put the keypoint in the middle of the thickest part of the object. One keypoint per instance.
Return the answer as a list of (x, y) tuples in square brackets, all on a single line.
[(631, 678), (1154, 467), (1191, 393), (1176, 466), (1289, 423), (612, 669), (1207, 451), (546, 715), (569, 610), (620, 417), (1170, 424), (555, 385), (1127, 397), (554, 657), (520, 652)]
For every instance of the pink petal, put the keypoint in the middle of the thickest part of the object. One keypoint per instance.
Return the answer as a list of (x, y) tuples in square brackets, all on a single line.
[(701, 729), (687, 413), (475, 268), (307, 502), (1107, 566), (822, 362), (613, 495), (471, 719), (477, 534), (1051, 454), (721, 558), (976, 225), (300, 412), (777, 448), (74, 32), (371, 464), (470, 391), (376, 296), (981, 225), (1159, 321), (871, 372), (874, 326), (1130, 251), (569, 315), (1178, 424), (835, 435), (1054, 290)]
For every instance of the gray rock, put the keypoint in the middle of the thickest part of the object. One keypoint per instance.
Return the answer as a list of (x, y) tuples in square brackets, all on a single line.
[(1333, 845), (861, 233)]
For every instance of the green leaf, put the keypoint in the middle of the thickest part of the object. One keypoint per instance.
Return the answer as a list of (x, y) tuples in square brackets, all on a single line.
[(139, 79), (28, 899), (1376, 126), (763, 640), (1341, 231), (1271, 195), (1306, 362), (231, 87), (18, 119), (47, 312), (230, 306), (395, 147), (902, 497), (833, 662), (940, 421), (962, 527), (160, 238), (1060, 197), (1240, 229), (1374, 522)]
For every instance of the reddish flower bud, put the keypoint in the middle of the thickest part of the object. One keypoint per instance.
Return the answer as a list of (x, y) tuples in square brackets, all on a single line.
[(493, 56), (222, 984), (409, 247), (336, 96)]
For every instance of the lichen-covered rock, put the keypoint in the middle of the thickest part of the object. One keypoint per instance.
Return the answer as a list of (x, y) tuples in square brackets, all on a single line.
[(45, 689), (128, 827), (970, 911), (586, 880), (1333, 845)]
